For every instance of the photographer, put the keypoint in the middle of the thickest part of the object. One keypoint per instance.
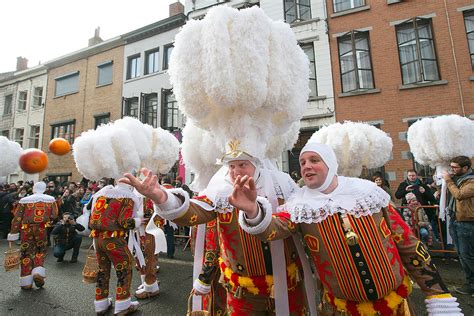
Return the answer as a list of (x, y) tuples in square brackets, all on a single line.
[(67, 237)]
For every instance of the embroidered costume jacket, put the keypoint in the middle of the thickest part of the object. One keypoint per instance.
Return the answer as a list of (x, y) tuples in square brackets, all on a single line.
[(245, 261), (368, 275)]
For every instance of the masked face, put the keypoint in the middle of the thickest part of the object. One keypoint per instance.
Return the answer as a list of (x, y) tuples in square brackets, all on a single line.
[(313, 169), (240, 168)]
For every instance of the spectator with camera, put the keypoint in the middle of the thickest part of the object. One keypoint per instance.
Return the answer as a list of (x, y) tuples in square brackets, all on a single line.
[(67, 237), (413, 184)]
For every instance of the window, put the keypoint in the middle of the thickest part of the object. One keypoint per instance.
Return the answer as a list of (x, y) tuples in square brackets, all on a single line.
[(130, 107), (7, 104), (100, 119), (166, 57), (469, 23), (355, 62), (150, 109), (104, 73), (152, 58), (22, 97), (65, 130), (297, 10), (38, 97), (133, 66), (309, 51), (67, 84), (19, 132), (172, 117), (6, 133), (34, 136), (342, 5), (417, 52)]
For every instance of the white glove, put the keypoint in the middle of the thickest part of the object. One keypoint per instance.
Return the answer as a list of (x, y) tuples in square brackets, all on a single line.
[(200, 287), (446, 306)]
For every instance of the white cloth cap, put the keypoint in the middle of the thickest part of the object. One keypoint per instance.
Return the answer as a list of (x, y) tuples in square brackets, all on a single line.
[(39, 187), (328, 156)]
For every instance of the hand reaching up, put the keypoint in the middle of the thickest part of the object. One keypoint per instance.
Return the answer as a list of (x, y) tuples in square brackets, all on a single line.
[(148, 187), (244, 196)]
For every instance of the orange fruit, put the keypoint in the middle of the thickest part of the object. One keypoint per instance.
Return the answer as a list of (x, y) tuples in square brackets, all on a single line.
[(33, 160), (59, 146)]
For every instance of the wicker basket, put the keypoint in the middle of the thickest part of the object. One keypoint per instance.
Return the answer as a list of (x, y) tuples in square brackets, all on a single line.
[(190, 311), (89, 273), (12, 259)]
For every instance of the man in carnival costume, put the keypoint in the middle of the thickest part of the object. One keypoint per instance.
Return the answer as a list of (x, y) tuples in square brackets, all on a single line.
[(358, 242), (32, 216), (152, 241), (114, 213), (248, 266)]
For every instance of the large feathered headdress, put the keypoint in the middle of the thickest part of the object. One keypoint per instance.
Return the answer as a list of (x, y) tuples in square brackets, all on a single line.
[(124, 146), (356, 145), (242, 77), (9, 154)]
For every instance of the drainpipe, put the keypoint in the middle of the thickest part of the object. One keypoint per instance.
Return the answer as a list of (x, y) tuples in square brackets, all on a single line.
[(454, 59)]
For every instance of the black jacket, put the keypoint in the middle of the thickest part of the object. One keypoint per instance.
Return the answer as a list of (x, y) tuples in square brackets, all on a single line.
[(66, 232), (426, 198)]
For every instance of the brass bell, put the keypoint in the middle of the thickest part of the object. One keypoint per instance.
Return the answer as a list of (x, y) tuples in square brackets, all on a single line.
[(352, 238), (238, 293)]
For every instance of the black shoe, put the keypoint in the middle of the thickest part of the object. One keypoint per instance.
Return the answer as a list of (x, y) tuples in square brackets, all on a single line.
[(73, 260), (60, 260)]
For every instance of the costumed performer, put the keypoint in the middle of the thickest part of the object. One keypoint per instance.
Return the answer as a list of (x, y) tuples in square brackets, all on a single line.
[(33, 215), (361, 247)]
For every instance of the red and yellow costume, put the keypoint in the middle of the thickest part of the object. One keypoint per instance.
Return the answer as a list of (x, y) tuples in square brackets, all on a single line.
[(150, 284), (111, 218), (245, 262), (362, 255), (32, 216)]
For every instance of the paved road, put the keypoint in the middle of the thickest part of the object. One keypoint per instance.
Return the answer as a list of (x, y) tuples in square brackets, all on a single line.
[(65, 294)]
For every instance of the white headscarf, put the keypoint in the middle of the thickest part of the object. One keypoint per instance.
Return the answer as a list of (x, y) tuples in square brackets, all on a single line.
[(328, 156), (354, 196)]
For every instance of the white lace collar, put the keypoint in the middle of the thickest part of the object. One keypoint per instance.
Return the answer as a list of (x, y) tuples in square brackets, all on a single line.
[(352, 196), (119, 191), (37, 197)]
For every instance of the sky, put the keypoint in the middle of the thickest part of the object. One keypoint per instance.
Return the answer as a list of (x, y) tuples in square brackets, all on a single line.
[(47, 29)]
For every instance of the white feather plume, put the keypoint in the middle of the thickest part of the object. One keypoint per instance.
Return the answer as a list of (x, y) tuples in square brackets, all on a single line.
[(240, 75), (356, 145), (10, 152), (124, 146), (164, 151), (435, 141), (200, 151)]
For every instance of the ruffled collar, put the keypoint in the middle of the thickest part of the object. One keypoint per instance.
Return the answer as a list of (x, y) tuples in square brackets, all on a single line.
[(352, 196), (37, 197), (119, 191)]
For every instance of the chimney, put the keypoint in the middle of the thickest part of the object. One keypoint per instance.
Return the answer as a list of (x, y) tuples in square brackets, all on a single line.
[(176, 8), (96, 39), (21, 63)]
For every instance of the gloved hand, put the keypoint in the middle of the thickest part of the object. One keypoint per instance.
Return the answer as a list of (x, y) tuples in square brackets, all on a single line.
[(200, 288)]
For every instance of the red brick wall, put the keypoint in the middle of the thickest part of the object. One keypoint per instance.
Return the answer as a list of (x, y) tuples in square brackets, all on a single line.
[(392, 105)]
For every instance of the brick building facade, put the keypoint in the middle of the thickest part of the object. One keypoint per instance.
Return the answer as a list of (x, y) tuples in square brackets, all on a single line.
[(84, 91), (395, 61)]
